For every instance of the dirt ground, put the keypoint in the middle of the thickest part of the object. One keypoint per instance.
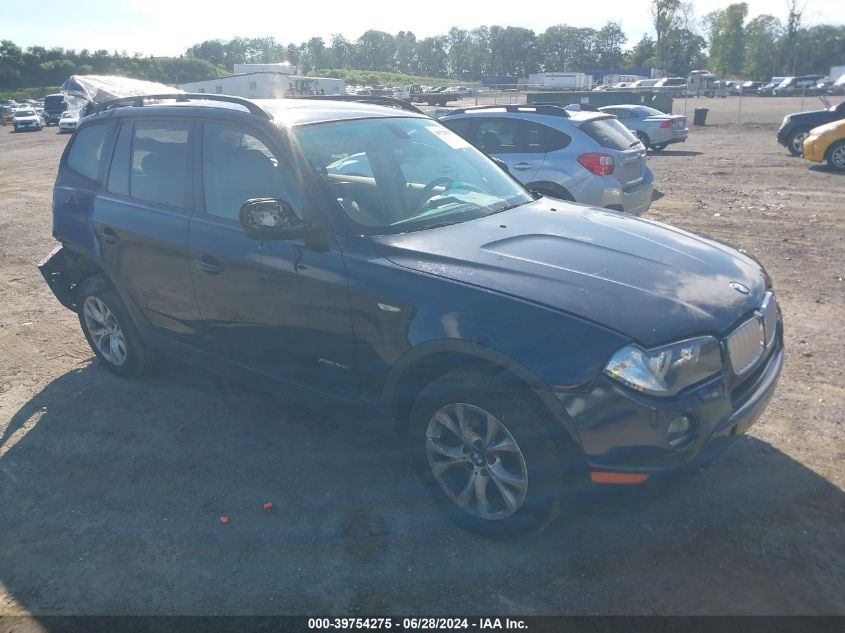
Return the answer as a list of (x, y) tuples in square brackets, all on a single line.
[(111, 490)]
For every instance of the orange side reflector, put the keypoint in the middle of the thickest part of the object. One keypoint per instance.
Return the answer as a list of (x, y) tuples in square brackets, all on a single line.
[(617, 478)]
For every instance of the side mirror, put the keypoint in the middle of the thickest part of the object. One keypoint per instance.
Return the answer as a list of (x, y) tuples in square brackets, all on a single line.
[(272, 219)]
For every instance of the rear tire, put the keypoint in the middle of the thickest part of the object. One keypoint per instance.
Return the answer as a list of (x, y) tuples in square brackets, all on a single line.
[(835, 156), (487, 455), (109, 329), (644, 139), (795, 142)]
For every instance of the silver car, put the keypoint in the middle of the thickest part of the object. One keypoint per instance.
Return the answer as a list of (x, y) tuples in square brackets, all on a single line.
[(586, 157), (654, 128)]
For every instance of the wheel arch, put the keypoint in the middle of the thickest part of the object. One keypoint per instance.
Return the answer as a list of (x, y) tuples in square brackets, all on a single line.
[(552, 188), (427, 362)]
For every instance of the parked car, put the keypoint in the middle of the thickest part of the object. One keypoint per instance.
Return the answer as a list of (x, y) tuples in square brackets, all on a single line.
[(586, 157), (827, 143), (6, 114), (54, 106), (822, 87), (675, 86), (654, 128), (796, 85), (734, 86), (68, 121), (750, 87), (26, 119), (838, 87), (522, 347), (644, 83), (796, 127), (768, 89)]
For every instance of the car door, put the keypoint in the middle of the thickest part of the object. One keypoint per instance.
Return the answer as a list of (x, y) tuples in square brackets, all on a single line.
[(141, 223), (515, 141), (280, 308)]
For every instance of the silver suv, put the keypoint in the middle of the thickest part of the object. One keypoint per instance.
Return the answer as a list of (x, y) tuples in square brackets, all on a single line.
[(586, 157)]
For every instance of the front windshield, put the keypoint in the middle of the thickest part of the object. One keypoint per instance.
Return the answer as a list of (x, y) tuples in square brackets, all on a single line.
[(392, 175), (21, 113)]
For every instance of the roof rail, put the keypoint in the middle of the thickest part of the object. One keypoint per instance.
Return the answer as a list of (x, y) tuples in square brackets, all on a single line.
[(138, 101), (371, 99), (534, 108)]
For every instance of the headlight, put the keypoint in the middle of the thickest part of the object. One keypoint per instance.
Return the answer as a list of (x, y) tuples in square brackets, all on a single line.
[(664, 371)]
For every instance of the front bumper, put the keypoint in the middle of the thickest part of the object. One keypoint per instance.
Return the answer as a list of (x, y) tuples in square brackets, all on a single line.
[(622, 431), (813, 149)]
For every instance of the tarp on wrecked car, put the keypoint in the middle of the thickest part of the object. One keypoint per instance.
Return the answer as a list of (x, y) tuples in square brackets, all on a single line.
[(85, 90)]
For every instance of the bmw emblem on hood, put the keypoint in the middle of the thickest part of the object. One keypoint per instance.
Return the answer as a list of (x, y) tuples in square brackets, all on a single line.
[(740, 287)]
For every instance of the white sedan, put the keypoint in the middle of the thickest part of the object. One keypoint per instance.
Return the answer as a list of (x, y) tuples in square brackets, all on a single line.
[(68, 121)]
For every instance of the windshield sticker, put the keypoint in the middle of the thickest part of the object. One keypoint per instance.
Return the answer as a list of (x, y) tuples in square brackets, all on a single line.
[(447, 136)]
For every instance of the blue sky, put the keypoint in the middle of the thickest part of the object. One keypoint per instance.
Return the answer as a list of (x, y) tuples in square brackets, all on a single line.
[(168, 27)]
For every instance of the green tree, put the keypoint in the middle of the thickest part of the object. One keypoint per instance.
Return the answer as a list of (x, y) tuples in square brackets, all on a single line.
[(609, 41), (666, 17), (762, 57), (375, 50), (431, 56), (727, 39), (643, 54)]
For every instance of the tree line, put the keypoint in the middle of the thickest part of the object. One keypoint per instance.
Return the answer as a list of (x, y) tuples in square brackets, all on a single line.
[(725, 41)]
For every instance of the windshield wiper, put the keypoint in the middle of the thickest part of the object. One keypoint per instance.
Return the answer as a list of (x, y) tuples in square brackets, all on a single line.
[(434, 225)]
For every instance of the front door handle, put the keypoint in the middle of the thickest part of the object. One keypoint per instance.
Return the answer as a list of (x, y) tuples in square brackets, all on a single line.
[(522, 166), (208, 264), (108, 235)]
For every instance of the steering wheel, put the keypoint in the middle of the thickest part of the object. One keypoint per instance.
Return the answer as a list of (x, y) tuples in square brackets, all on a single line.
[(427, 192)]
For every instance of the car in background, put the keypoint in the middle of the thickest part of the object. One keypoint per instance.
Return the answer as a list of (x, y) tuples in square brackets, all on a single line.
[(654, 128), (734, 86), (68, 121), (838, 87), (822, 87), (796, 127), (827, 143), (27, 119), (6, 114), (750, 87), (796, 85), (644, 83), (767, 90), (586, 157), (54, 106), (675, 86)]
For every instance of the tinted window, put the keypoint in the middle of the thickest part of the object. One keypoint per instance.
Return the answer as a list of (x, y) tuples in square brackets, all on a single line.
[(119, 173), (236, 166), (508, 136), (553, 139), (461, 127), (609, 133), (87, 151), (159, 166)]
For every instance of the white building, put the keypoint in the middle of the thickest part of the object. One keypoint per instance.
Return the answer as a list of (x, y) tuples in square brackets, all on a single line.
[(267, 85)]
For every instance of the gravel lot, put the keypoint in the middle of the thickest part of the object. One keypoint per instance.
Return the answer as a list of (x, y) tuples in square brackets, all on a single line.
[(110, 490)]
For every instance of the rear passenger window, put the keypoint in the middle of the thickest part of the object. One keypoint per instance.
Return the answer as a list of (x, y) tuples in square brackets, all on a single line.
[(159, 164), (510, 136), (459, 126), (88, 150)]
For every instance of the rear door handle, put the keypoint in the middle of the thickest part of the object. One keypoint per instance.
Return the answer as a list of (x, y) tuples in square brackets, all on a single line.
[(108, 235), (208, 264), (522, 166)]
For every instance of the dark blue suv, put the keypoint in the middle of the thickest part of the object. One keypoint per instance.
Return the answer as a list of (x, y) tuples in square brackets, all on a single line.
[(521, 344)]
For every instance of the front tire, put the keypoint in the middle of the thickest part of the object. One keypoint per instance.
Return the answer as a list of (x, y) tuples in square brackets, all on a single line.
[(835, 156), (488, 455), (795, 142), (109, 329)]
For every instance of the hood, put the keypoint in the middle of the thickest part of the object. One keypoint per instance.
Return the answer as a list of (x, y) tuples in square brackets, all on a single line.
[(829, 127), (643, 279), (814, 115)]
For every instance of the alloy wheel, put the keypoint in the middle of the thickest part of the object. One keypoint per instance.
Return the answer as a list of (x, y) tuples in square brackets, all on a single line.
[(476, 461), (105, 331), (837, 157)]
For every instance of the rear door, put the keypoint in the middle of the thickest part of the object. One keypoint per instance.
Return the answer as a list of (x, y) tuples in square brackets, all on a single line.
[(515, 141), (141, 223), (620, 143)]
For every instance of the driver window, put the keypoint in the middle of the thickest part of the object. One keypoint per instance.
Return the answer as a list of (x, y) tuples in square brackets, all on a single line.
[(236, 167)]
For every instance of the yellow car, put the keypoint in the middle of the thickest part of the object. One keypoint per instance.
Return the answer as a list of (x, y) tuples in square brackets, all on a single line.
[(827, 143)]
